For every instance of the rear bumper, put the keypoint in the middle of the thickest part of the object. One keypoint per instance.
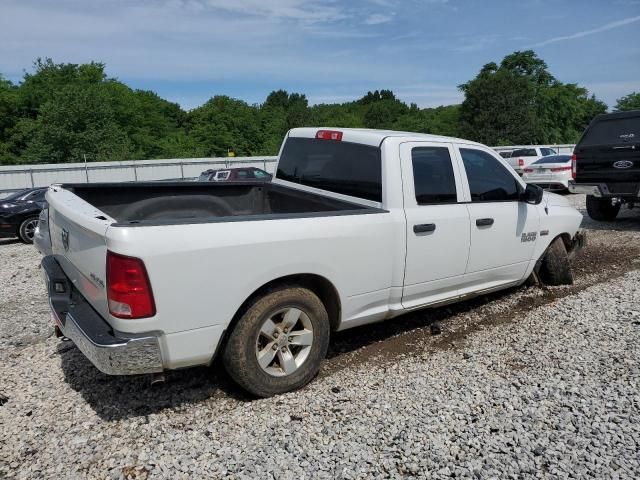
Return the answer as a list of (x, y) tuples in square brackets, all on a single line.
[(601, 190), (550, 185), (112, 352)]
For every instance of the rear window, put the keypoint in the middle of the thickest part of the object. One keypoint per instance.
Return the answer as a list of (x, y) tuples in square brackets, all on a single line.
[(340, 167), (524, 152), (554, 159), (611, 131), (547, 151)]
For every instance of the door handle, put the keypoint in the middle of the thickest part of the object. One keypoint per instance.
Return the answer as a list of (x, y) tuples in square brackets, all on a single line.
[(484, 222), (424, 228)]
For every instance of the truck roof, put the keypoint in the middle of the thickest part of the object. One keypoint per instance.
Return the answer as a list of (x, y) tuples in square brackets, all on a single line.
[(375, 137)]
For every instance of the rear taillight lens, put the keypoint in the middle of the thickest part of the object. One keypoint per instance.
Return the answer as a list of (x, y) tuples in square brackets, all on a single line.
[(528, 170), (521, 162), (574, 161), (561, 169), (329, 135), (128, 288)]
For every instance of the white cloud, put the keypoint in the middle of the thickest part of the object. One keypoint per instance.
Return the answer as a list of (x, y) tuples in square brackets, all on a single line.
[(378, 18), (304, 10), (585, 33)]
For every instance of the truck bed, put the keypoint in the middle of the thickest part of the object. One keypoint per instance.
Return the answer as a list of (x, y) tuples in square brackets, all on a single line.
[(153, 203)]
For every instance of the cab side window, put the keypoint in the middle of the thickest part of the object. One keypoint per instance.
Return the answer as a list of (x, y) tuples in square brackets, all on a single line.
[(489, 180), (433, 176)]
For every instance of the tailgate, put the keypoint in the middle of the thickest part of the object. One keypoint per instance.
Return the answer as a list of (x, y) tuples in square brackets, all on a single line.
[(78, 242), (608, 163)]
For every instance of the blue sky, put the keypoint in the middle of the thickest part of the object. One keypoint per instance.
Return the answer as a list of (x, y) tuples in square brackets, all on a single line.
[(333, 51)]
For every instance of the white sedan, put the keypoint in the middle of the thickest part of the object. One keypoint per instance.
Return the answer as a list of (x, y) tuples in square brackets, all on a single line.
[(551, 173)]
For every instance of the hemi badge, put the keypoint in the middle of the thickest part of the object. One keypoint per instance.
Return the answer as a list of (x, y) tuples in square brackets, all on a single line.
[(544, 232)]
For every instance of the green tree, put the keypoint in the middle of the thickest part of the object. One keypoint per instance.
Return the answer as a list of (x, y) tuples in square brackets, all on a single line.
[(628, 102), (8, 118), (520, 102), (223, 123), (76, 122)]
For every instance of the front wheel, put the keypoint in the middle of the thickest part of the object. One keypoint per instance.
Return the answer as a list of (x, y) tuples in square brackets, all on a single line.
[(555, 268), (279, 343), (602, 209), (28, 229)]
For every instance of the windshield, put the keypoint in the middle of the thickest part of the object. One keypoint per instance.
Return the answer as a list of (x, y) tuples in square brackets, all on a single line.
[(554, 159), (28, 194), (14, 196), (341, 167)]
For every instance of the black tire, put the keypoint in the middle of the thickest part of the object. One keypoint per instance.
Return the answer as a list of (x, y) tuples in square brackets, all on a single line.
[(27, 229), (555, 268), (241, 350), (601, 209)]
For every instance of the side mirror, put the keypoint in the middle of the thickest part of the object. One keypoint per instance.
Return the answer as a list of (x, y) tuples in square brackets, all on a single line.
[(532, 194)]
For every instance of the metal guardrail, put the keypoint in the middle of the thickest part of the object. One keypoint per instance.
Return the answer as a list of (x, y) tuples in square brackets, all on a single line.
[(560, 148), (15, 178)]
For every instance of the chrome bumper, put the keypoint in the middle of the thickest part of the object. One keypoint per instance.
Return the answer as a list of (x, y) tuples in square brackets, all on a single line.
[(598, 190), (112, 352), (594, 190)]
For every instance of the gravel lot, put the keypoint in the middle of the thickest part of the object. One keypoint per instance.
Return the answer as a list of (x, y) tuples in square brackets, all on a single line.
[(532, 382)]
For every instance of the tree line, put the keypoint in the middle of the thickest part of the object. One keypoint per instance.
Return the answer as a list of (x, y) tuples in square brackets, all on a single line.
[(65, 112)]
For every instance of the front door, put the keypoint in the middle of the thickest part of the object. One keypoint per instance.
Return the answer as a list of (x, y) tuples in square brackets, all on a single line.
[(437, 224), (503, 228)]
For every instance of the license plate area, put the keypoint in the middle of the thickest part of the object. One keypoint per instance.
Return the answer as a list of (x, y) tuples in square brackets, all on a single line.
[(59, 289)]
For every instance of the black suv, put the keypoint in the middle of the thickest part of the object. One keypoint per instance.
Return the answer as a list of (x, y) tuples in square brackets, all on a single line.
[(606, 164)]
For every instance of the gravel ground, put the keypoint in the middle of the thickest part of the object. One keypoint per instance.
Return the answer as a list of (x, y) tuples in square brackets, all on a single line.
[(532, 382)]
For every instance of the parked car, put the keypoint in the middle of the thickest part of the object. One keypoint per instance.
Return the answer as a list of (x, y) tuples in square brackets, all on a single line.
[(606, 164), (523, 157), (19, 213), (551, 173), (234, 175), (147, 277)]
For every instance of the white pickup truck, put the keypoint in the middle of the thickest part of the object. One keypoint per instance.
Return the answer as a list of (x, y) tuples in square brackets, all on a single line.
[(357, 226)]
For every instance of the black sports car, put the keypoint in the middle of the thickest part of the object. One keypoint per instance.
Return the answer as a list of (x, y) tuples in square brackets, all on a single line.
[(19, 213)]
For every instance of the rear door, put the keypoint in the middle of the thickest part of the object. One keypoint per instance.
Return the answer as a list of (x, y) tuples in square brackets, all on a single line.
[(503, 229), (437, 223)]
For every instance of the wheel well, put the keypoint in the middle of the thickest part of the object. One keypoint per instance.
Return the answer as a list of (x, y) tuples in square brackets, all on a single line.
[(319, 285), (566, 239)]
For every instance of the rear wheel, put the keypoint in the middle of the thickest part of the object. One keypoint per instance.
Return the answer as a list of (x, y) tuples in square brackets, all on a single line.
[(602, 209), (555, 268), (278, 344), (28, 229)]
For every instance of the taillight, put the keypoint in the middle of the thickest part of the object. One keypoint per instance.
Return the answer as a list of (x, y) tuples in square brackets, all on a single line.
[(574, 167), (561, 169), (329, 135), (528, 170), (521, 162), (128, 289)]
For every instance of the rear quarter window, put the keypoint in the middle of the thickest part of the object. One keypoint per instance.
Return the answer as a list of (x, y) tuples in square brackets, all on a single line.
[(524, 152), (612, 131), (340, 167)]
